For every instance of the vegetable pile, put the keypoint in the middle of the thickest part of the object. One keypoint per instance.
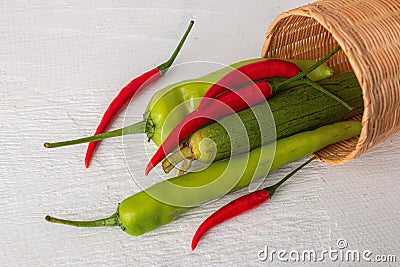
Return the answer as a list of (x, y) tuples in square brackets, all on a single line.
[(309, 108)]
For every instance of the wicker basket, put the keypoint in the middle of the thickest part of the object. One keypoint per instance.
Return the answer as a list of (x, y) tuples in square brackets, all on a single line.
[(368, 32)]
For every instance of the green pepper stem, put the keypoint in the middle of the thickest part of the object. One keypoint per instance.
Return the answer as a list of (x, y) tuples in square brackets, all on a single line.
[(271, 189), (310, 69), (163, 68), (138, 127), (109, 221), (302, 76), (326, 92)]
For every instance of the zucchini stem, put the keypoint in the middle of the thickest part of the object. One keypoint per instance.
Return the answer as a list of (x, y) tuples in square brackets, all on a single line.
[(187, 163), (179, 155)]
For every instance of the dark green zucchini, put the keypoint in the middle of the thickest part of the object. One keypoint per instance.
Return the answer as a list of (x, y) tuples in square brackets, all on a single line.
[(299, 109)]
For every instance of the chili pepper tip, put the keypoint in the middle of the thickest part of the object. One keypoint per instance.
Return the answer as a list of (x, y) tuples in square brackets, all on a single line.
[(47, 145), (148, 168), (194, 244), (87, 161)]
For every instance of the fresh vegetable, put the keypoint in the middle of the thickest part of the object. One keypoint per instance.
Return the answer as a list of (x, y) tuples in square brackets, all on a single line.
[(292, 111), (233, 101), (153, 207), (260, 70), (181, 99), (126, 94), (240, 206)]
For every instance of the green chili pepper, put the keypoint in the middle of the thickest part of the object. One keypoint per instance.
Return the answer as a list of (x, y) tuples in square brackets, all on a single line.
[(166, 200)]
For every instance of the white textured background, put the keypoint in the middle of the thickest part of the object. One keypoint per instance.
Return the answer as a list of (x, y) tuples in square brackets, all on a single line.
[(61, 63)]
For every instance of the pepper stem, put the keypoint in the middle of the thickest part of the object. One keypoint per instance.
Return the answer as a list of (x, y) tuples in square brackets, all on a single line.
[(110, 221), (271, 189), (326, 92), (310, 69), (302, 76), (163, 68), (138, 127)]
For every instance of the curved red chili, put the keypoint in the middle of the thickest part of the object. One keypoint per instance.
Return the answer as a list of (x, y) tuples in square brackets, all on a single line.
[(126, 94), (240, 206), (265, 69), (227, 103), (272, 68)]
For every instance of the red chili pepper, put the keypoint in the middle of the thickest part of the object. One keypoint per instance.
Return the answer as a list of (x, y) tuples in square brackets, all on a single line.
[(273, 68), (126, 94), (261, 70), (240, 206), (227, 103)]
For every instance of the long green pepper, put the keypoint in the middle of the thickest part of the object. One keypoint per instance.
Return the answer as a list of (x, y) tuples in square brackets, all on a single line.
[(166, 200)]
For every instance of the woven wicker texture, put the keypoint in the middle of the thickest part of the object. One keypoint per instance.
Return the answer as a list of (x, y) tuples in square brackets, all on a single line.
[(368, 32)]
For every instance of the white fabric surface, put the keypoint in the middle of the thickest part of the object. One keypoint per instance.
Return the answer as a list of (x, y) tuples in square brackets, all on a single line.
[(61, 63)]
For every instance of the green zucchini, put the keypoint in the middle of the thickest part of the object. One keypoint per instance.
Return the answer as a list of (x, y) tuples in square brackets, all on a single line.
[(299, 109)]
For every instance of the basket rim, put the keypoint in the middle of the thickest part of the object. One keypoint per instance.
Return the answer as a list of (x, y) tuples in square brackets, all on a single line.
[(355, 64)]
